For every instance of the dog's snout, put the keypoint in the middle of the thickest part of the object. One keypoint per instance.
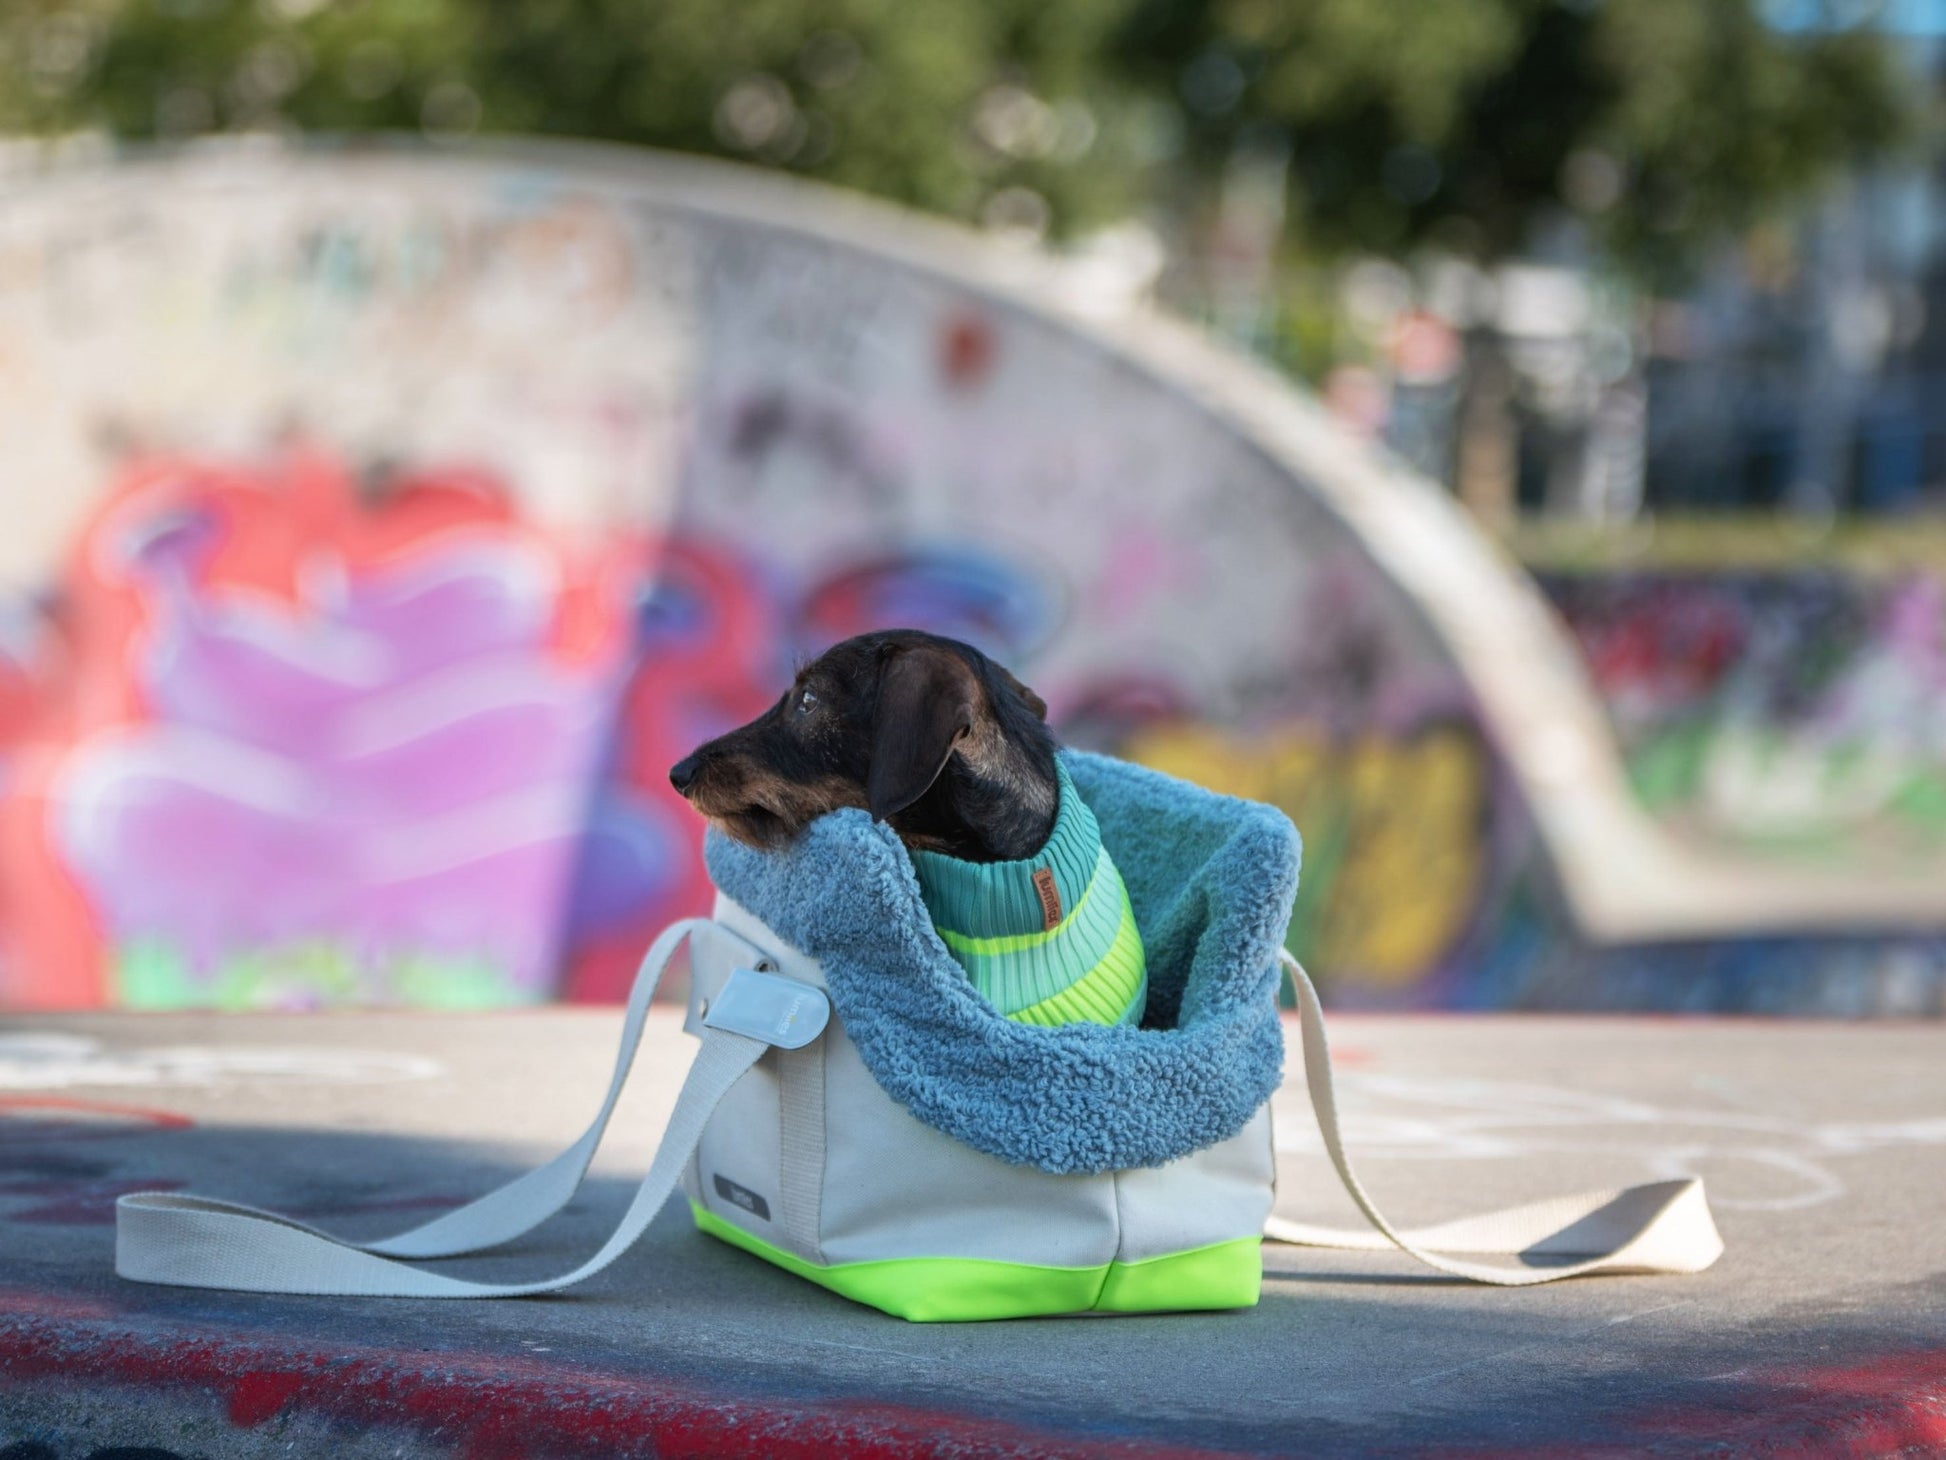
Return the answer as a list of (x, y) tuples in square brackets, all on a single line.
[(682, 775)]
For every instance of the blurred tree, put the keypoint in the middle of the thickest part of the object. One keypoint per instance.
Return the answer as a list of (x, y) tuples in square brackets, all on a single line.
[(1621, 136), (998, 110), (1467, 123), (1471, 123)]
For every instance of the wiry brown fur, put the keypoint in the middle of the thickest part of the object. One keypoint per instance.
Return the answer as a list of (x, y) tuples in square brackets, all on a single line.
[(761, 808), (926, 733)]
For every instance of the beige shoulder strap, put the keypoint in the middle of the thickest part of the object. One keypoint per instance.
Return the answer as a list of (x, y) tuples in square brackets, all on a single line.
[(1663, 1226), (197, 1242), (190, 1241)]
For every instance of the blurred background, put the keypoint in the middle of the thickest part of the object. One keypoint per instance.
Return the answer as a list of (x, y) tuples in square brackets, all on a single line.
[(393, 486)]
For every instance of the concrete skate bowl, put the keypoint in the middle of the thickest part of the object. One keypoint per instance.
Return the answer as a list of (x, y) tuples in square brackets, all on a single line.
[(384, 523)]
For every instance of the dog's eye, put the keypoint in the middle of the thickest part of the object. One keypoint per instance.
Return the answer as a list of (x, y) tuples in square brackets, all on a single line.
[(807, 702)]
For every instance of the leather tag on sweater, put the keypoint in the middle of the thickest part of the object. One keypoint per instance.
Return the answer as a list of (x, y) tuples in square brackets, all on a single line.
[(1050, 897)]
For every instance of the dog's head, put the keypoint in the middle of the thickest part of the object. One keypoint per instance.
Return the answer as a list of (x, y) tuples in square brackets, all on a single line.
[(874, 723)]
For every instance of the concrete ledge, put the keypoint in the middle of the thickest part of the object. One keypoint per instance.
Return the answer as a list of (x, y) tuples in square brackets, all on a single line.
[(1822, 1331)]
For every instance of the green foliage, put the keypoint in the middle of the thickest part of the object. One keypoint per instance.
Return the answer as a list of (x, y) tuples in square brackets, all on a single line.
[(1660, 123), (937, 103)]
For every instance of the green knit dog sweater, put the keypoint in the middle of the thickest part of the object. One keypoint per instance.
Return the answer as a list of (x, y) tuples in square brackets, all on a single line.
[(1049, 939)]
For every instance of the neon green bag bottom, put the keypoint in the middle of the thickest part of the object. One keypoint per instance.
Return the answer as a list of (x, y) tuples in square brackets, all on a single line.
[(964, 1290)]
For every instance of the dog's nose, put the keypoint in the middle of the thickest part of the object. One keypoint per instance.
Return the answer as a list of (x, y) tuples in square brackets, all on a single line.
[(682, 775)]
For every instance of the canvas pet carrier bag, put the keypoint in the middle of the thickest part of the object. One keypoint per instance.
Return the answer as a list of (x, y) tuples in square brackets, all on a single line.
[(857, 1115)]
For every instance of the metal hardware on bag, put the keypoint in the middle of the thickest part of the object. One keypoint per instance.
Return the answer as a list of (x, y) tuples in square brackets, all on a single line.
[(713, 951), (780, 1011)]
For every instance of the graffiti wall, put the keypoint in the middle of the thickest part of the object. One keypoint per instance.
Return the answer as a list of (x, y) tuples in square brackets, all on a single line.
[(1796, 710), (288, 746), (384, 546), (381, 529)]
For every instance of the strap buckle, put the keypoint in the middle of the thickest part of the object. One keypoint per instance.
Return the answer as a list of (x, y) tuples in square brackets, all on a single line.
[(779, 1011)]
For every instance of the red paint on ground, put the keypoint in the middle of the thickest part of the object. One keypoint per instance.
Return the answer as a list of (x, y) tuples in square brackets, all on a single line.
[(508, 1407), (255, 1398), (493, 1406), (106, 1119), (1894, 1405), (1891, 1405)]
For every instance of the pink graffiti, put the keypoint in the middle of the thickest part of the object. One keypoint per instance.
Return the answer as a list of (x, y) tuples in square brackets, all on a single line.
[(709, 659), (290, 716)]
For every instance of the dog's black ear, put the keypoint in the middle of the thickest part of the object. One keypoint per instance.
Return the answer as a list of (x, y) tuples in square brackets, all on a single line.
[(1033, 701), (927, 700)]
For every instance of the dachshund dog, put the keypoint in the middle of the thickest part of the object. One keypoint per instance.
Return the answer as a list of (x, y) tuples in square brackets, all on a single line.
[(927, 734), (953, 754)]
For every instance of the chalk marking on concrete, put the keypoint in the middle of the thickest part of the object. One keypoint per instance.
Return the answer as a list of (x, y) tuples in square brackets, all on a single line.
[(1819, 1185), (1467, 1119), (53, 1061)]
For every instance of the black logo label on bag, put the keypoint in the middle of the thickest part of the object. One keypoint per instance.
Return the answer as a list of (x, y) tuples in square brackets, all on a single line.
[(742, 1196)]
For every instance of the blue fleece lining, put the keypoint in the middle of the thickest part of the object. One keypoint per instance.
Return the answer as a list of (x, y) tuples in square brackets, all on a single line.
[(1212, 880)]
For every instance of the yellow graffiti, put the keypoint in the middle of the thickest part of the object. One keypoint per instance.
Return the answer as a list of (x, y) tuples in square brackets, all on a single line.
[(1392, 834)]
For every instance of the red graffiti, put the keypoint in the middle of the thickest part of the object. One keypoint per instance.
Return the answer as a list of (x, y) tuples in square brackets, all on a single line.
[(968, 349), (708, 662), (268, 585), (430, 737)]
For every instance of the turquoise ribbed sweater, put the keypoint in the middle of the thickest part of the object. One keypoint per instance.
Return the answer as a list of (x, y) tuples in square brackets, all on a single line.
[(1051, 938)]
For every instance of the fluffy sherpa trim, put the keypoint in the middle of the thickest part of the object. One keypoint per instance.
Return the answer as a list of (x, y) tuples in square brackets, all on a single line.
[(1212, 880)]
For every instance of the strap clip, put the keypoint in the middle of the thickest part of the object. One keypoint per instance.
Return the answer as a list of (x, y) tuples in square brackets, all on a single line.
[(779, 1011)]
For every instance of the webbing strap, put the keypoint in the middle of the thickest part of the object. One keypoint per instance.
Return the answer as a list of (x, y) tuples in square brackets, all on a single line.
[(1663, 1226), (191, 1241), (801, 1149)]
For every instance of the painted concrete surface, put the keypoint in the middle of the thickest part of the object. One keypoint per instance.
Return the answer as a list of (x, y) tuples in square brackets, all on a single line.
[(1821, 1332)]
